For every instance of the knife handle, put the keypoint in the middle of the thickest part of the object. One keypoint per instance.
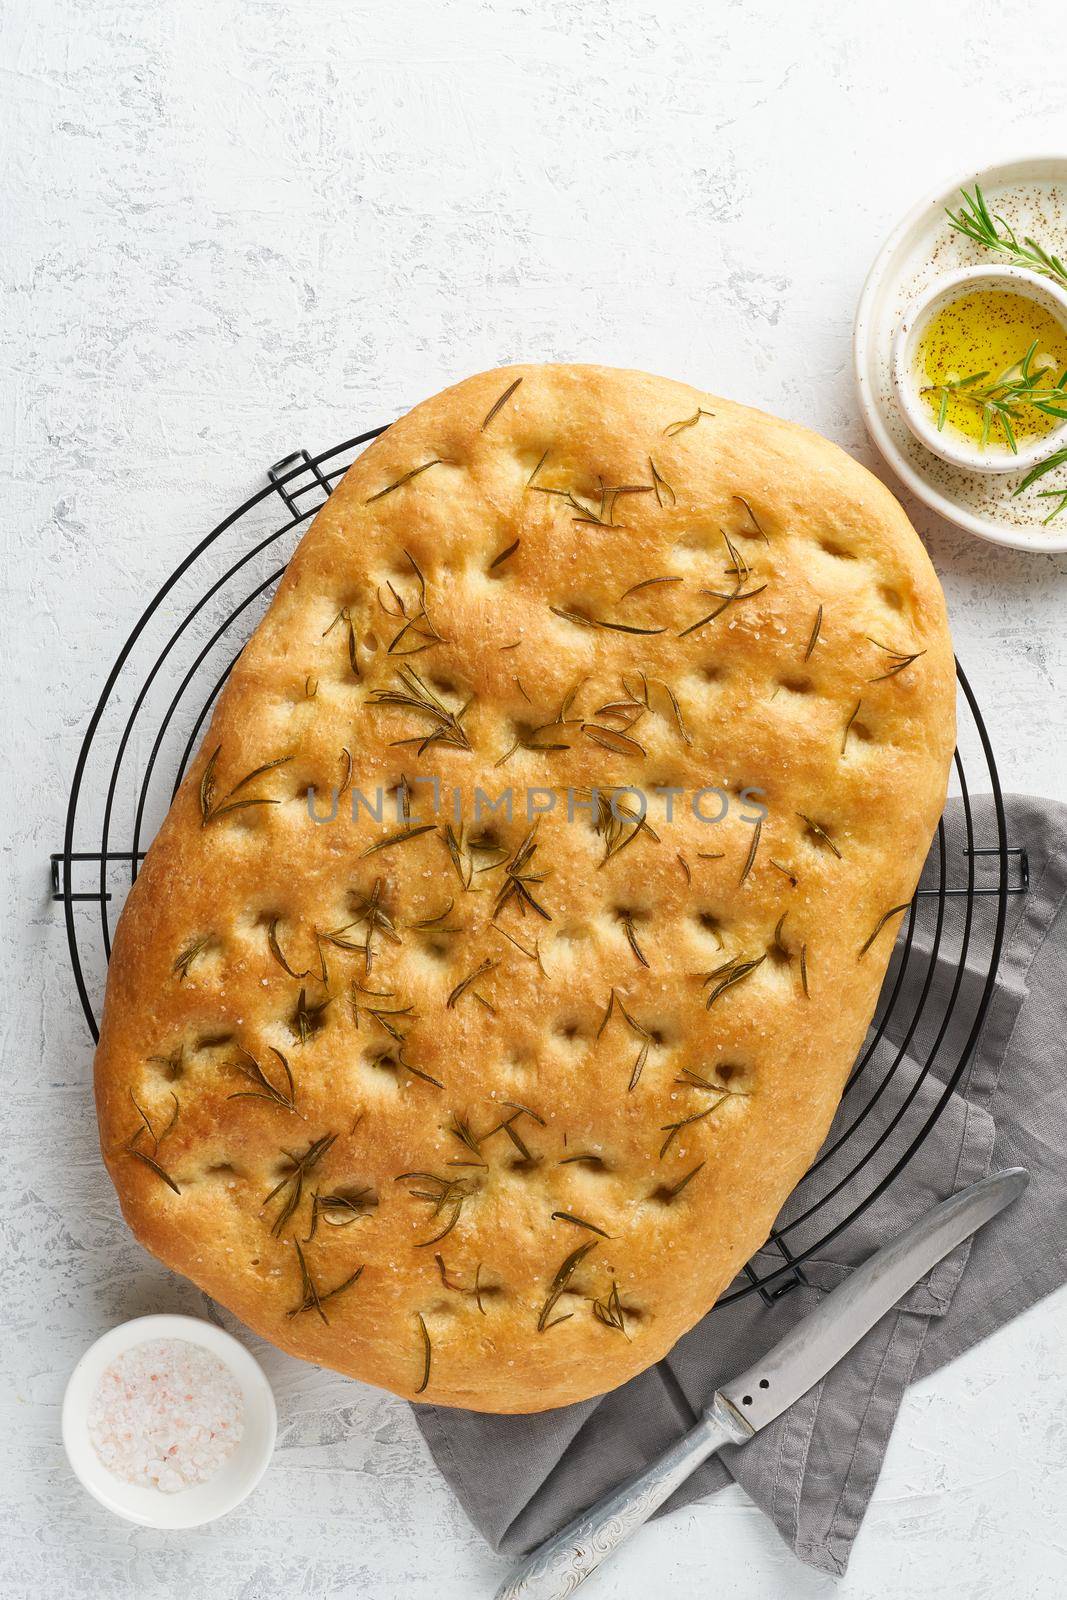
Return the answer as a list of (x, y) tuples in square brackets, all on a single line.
[(562, 1562)]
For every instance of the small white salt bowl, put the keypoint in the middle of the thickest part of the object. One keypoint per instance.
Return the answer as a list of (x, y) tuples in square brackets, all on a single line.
[(202, 1502), (960, 452)]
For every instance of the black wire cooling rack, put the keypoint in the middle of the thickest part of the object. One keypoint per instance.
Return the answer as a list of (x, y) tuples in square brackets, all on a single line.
[(159, 694)]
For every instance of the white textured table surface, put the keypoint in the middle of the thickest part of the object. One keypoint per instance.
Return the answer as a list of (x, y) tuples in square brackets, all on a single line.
[(233, 228)]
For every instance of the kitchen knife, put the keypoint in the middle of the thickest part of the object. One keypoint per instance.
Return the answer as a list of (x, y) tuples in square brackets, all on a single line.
[(740, 1408)]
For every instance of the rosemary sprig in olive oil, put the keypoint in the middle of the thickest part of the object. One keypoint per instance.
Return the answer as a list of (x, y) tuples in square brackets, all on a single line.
[(1002, 399)]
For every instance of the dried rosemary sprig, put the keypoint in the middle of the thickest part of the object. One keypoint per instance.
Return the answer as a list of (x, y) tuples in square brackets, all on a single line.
[(406, 478), (631, 939), (609, 739), (559, 1285), (185, 958), (602, 516), (342, 1209), (454, 845), (848, 725), (642, 1033), (437, 921), (887, 916), (505, 554), (311, 1297), (559, 723), (416, 621), (674, 428), (146, 1160), (750, 859), (461, 1129), (814, 639), (497, 404), (308, 1016), (635, 704), (476, 1290), (514, 1105), (693, 1080), (264, 1088), (756, 523), (579, 1222), (668, 1192), (617, 823), (401, 1060), (517, 880), (583, 619), (730, 972), (587, 514), (344, 616), (291, 1185), (660, 486), (372, 915), (211, 808), (507, 1126), (427, 1352), (531, 955), (416, 696), (401, 837), (740, 570), (673, 1129), (276, 951), (725, 600), (465, 983), (389, 1018), (820, 833), (900, 658), (611, 492), (442, 1194), (610, 1311)]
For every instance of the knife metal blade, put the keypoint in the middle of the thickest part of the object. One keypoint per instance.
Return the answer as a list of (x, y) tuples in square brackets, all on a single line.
[(818, 1342), (741, 1407)]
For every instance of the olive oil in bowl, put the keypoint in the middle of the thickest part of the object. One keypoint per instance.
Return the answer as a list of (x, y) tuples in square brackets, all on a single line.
[(983, 359)]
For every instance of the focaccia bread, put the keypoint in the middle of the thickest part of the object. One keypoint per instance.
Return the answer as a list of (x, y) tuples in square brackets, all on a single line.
[(489, 1109)]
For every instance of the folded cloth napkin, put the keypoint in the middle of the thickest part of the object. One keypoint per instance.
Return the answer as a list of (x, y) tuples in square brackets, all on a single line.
[(813, 1471)]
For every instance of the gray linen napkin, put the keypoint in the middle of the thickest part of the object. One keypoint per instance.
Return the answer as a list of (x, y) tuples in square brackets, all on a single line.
[(814, 1470)]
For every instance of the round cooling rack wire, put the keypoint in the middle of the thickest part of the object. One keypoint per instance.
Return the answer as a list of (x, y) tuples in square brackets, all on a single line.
[(160, 692)]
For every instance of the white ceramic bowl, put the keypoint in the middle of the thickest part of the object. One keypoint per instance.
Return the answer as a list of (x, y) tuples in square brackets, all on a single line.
[(203, 1502), (1029, 189), (960, 452)]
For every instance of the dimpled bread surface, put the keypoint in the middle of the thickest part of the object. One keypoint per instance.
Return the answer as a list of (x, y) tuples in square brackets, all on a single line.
[(489, 1110)]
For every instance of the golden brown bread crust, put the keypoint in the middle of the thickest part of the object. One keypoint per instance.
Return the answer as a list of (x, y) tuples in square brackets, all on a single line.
[(242, 908)]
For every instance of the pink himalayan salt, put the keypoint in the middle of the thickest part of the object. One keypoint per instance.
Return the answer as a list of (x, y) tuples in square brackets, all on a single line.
[(166, 1414)]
